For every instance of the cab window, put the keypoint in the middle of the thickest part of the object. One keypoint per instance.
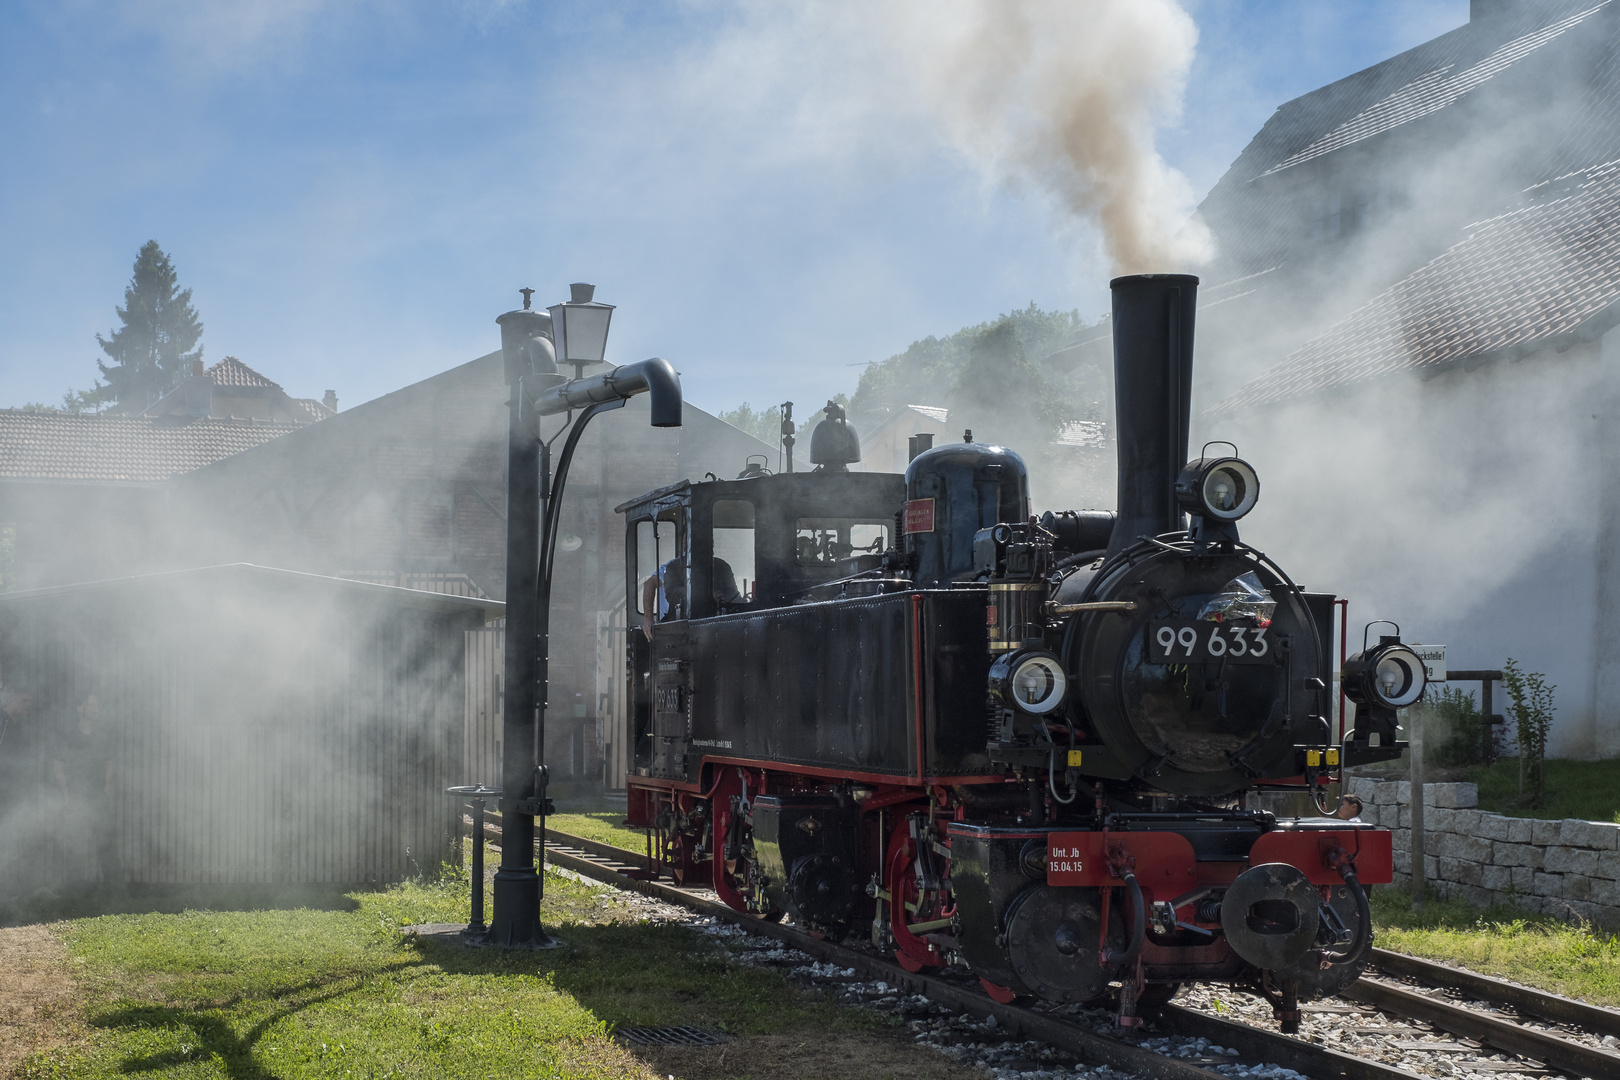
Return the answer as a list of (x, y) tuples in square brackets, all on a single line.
[(823, 541), (734, 569), (655, 547)]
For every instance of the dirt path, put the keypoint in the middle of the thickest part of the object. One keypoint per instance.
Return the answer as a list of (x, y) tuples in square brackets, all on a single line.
[(879, 1055), (37, 996)]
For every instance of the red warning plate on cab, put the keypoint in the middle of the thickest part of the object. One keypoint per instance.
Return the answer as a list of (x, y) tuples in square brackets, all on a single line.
[(919, 516)]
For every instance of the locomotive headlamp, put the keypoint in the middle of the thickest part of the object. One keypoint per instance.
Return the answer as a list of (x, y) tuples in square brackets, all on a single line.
[(1398, 679), (1224, 488), (1381, 679), (1389, 675), (1031, 682)]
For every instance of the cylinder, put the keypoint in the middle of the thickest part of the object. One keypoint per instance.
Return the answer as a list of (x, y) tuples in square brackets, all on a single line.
[(1153, 351)]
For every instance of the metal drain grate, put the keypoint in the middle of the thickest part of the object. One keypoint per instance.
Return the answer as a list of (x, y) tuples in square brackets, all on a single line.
[(669, 1036)]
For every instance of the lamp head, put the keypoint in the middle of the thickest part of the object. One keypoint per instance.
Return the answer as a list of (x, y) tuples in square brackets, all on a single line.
[(1381, 680), (580, 327)]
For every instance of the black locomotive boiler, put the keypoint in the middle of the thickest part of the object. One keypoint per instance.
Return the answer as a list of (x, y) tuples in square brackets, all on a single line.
[(904, 707)]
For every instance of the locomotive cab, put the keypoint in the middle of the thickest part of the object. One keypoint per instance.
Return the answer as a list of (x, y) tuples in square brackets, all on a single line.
[(731, 549)]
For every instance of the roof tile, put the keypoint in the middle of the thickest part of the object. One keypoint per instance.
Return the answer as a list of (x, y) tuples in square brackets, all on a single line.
[(67, 446), (1518, 281)]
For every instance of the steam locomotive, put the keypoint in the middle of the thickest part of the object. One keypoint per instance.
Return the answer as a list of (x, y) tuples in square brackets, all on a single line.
[(904, 707)]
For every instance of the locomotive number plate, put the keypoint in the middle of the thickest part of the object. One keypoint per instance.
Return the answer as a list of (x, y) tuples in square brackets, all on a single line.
[(1194, 641)]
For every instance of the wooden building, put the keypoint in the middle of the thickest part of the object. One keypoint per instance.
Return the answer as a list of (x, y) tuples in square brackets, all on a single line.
[(407, 490), (410, 489), (229, 725)]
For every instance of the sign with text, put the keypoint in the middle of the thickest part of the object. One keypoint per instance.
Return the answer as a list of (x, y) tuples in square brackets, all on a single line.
[(1434, 661), (919, 516)]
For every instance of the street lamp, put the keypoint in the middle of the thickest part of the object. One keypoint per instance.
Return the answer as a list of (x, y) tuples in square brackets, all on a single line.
[(531, 344), (579, 328)]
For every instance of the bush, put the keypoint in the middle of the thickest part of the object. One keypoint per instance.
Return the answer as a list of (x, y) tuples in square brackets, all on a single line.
[(1455, 732), (1531, 711)]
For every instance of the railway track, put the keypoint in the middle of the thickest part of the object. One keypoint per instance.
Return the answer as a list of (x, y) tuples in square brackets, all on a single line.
[(1444, 1021)]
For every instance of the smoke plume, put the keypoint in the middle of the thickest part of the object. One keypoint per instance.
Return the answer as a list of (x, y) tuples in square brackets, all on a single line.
[(1066, 97)]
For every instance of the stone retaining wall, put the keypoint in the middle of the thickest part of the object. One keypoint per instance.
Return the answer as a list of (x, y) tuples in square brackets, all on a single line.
[(1565, 868)]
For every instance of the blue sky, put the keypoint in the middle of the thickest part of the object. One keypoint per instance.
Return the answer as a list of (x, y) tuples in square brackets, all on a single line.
[(355, 190)]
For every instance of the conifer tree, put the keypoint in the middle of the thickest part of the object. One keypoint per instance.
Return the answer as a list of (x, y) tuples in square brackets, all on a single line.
[(156, 344)]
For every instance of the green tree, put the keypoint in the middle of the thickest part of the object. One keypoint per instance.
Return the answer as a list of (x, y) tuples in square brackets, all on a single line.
[(1001, 395), (763, 424), (157, 343), (929, 370), (766, 424)]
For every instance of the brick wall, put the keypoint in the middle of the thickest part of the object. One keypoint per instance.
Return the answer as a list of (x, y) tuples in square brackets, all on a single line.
[(1565, 868)]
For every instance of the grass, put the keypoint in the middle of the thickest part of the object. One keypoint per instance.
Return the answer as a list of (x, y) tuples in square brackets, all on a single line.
[(1537, 950), (1589, 790), (601, 825), (251, 995)]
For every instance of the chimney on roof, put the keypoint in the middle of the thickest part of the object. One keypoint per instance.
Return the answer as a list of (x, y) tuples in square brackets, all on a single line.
[(1479, 10), (199, 389), (330, 400)]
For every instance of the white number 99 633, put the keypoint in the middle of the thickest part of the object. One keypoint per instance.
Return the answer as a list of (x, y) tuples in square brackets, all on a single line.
[(1175, 641)]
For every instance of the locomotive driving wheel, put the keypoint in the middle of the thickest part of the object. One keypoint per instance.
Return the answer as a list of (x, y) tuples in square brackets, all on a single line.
[(909, 904)]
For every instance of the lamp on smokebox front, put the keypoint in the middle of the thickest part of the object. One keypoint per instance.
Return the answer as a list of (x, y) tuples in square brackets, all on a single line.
[(1223, 488), (1216, 491), (1380, 680), (579, 328), (1032, 682)]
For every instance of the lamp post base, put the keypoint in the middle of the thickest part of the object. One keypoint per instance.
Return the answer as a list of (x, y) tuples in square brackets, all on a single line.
[(516, 924)]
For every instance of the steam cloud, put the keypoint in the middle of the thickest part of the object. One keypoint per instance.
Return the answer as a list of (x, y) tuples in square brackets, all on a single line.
[(1066, 96), (1059, 97)]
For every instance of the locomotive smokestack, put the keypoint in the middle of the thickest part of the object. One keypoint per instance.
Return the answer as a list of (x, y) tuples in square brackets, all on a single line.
[(1153, 352)]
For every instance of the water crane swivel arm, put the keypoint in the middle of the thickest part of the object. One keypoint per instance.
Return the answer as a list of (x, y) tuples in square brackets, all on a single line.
[(656, 377)]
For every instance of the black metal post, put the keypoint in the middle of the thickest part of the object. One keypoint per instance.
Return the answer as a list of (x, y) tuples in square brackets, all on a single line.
[(476, 795), (516, 922), (532, 504), (476, 924)]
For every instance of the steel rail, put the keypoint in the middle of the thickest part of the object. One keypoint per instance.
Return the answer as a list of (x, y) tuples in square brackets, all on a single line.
[(1563, 1010), (1087, 1045), (1309, 1058), (1563, 1054), (1317, 1062)]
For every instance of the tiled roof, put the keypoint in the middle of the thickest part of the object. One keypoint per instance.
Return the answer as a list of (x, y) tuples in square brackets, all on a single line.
[(1432, 91), (232, 372), (64, 446), (317, 410), (1538, 276), (933, 412), (1456, 95)]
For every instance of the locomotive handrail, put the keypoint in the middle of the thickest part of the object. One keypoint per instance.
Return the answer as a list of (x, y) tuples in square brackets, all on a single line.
[(1055, 609)]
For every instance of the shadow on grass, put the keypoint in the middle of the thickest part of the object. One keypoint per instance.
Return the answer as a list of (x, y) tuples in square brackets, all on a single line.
[(646, 974), (216, 1039), (86, 901)]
